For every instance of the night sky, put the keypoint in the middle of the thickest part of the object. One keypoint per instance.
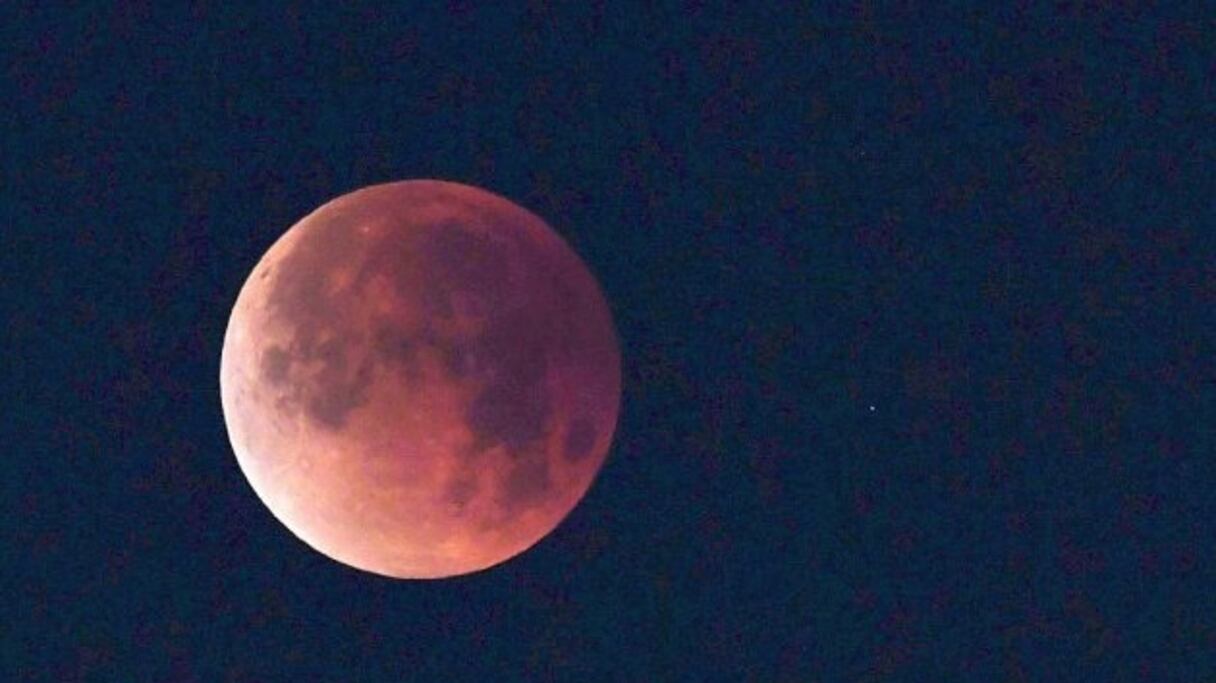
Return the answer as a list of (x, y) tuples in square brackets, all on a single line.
[(914, 302)]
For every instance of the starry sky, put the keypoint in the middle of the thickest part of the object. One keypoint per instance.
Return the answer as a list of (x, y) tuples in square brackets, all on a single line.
[(914, 302)]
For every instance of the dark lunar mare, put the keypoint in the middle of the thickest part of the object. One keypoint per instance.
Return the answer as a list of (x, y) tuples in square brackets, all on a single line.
[(297, 300)]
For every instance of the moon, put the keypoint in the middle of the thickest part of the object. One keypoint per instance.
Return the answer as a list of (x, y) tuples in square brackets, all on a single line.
[(420, 379)]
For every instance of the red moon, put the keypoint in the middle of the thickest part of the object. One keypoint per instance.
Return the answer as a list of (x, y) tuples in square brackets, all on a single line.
[(420, 379)]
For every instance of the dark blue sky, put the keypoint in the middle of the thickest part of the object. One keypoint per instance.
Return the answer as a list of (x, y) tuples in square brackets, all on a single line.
[(996, 226)]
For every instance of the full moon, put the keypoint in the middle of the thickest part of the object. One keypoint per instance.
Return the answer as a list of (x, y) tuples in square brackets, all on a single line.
[(420, 379)]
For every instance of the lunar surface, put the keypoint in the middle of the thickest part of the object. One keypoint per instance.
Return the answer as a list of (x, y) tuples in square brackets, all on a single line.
[(420, 379)]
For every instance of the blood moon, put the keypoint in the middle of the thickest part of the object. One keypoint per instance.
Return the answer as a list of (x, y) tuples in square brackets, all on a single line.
[(420, 379)]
